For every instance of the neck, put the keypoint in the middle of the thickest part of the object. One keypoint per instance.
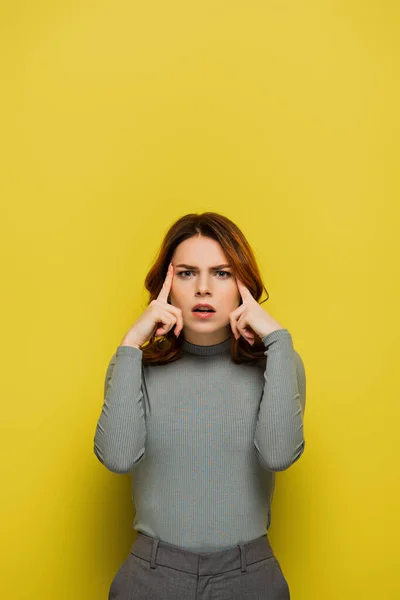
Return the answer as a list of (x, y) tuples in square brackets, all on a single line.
[(220, 348)]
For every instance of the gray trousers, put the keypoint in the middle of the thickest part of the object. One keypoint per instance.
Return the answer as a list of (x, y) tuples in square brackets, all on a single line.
[(155, 570)]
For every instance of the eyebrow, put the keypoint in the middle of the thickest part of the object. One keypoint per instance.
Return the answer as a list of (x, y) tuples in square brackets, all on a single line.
[(196, 268)]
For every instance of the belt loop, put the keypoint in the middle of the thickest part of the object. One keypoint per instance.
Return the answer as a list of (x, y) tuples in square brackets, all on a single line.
[(242, 552), (154, 554)]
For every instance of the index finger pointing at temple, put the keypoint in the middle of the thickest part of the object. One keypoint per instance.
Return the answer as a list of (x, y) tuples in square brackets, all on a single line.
[(166, 288), (244, 291)]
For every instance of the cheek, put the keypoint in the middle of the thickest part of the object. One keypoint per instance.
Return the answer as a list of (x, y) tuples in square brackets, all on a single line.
[(236, 294), (233, 299), (177, 295)]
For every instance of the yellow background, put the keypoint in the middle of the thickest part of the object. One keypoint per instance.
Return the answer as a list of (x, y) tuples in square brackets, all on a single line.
[(116, 119)]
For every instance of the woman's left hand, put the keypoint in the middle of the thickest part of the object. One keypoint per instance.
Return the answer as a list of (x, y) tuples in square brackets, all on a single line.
[(250, 317)]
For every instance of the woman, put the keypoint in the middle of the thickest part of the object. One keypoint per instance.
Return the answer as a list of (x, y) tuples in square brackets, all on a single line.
[(203, 408)]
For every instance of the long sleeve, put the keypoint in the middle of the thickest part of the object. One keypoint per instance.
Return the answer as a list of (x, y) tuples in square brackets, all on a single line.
[(120, 436), (279, 439)]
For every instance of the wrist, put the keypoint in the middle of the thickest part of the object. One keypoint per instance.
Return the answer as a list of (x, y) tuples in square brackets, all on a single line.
[(128, 342)]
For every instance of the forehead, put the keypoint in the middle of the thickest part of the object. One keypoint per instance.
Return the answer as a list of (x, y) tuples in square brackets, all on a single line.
[(200, 251)]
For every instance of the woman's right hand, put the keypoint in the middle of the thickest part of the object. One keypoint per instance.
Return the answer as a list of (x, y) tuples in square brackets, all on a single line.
[(159, 311)]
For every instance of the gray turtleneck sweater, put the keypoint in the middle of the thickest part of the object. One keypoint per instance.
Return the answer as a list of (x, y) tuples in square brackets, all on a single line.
[(202, 438)]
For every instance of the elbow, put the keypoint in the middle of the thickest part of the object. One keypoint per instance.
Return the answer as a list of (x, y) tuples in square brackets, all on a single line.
[(118, 465), (280, 463), (284, 465)]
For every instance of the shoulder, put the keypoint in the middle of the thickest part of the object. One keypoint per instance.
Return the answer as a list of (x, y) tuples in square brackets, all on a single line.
[(298, 361), (301, 378), (300, 369)]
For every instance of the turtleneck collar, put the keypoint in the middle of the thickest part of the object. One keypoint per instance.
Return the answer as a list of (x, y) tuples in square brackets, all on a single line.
[(221, 348)]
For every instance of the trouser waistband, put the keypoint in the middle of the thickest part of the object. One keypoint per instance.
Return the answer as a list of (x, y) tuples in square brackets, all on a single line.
[(201, 563)]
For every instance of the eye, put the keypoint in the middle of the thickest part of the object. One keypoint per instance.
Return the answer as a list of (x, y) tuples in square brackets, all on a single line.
[(181, 274), (226, 273)]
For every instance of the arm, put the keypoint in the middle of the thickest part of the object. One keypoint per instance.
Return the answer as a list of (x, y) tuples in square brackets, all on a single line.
[(119, 441), (279, 437)]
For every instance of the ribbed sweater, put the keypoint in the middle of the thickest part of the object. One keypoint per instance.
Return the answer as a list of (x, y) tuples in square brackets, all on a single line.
[(202, 438)]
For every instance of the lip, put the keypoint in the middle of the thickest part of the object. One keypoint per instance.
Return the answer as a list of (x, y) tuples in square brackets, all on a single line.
[(203, 305), (204, 315)]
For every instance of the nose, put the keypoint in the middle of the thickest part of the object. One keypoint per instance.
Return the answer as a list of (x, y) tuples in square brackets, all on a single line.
[(203, 286), (203, 293)]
